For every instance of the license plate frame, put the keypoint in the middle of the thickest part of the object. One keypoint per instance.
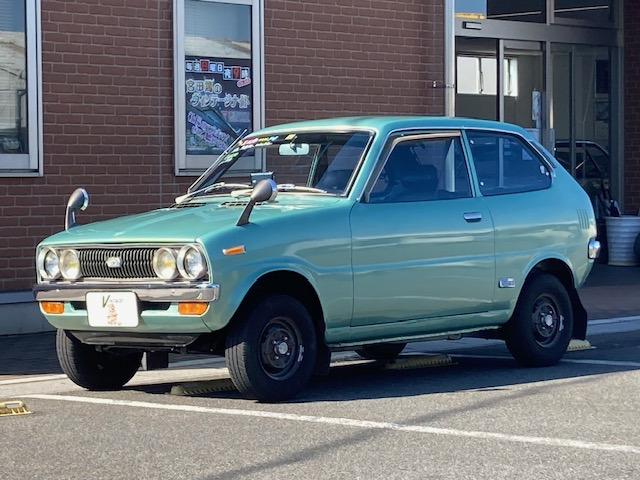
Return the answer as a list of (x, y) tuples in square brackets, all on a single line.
[(112, 309)]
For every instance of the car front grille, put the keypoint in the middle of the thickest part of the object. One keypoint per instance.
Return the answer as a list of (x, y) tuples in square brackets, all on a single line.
[(134, 263)]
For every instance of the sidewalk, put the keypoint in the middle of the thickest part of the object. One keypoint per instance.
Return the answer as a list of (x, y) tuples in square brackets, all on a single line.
[(608, 293), (611, 292)]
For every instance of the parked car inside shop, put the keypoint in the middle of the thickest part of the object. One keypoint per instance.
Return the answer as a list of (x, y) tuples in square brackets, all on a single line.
[(350, 233)]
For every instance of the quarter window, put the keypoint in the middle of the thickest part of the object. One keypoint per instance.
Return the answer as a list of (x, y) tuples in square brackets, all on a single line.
[(423, 169), (506, 164)]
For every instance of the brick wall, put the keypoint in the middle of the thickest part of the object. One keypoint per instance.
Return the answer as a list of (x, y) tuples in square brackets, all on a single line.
[(107, 96), (341, 57), (107, 69), (632, 106)]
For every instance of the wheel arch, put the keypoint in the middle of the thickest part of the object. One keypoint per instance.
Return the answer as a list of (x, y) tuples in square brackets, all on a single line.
[(296, 285), (559, 269)]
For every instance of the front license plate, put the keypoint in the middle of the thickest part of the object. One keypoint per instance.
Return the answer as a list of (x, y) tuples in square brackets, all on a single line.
[(112, 309)]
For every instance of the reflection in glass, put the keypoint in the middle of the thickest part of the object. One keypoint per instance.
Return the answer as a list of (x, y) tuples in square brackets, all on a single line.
[(598, 11), (476, 78), (13, 78), (589, 139), (218, 75), (517, 11), (524, 108)]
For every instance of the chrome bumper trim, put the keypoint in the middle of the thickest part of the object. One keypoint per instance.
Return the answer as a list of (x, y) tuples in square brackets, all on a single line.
[(207, 292)]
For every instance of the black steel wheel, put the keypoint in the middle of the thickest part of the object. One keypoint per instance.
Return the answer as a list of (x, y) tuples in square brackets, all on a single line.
[(271, 352), (281, 344), (381, 351), (539, 331), (94, 370)]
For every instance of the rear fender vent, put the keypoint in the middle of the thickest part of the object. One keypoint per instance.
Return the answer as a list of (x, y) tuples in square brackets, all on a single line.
[(583, 219)]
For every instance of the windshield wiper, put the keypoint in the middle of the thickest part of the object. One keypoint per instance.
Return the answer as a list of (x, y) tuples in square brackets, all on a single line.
[(209, 189), (206, 173), (288, 187)]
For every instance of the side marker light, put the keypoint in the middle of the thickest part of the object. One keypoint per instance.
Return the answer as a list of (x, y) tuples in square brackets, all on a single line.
[(237, 250)]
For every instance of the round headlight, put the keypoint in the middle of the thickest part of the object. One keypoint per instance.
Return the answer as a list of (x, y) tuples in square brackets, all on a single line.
[(164, 264), (70, 265), (191, 263), (48, 264)]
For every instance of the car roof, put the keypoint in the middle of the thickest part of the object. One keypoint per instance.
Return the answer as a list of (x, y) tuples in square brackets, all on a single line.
[(391, 123)]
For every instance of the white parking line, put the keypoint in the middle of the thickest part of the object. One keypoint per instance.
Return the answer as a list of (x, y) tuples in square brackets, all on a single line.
[(586, 361), (615, 320), (27, 379), (348, 422)]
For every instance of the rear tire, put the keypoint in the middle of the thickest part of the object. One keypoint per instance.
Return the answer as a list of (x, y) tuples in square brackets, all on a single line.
[(539, 332), (271, 353), (87, 367), (381, 351)]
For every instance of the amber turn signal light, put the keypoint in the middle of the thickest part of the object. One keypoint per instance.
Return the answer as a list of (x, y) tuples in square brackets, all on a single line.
[(52, 307), (192, 308)]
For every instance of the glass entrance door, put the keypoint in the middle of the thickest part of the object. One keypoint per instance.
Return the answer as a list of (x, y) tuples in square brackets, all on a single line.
[(477, 78), (500, 80), (523, 85), (581, 114)]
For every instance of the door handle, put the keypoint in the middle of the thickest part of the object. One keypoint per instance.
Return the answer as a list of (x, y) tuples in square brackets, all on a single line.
[(472, 217)]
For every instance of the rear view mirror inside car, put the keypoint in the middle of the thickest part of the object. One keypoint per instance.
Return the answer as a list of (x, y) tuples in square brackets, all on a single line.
[(294, 149)]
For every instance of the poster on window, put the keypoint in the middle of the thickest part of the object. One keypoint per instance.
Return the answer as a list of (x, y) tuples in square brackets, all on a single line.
[(219, 101)]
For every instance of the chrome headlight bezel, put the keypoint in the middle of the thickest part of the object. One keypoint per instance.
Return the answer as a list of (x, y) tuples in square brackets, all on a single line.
[(67, 256), (173, 273), (183, 260), (45, 272)]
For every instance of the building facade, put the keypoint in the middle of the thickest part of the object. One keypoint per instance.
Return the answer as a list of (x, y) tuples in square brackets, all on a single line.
[(131, 99)]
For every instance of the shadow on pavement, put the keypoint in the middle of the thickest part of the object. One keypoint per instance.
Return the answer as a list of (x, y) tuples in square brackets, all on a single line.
[(367, 380), (29, 354)]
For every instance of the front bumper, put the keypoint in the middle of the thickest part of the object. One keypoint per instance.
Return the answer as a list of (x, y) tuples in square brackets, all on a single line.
[(157, 306), (57, 292)]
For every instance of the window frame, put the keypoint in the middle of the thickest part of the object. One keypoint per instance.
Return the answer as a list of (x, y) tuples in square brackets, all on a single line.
[(532, 150), (194, 165), (510, 75), (401, 137), (30, 164)]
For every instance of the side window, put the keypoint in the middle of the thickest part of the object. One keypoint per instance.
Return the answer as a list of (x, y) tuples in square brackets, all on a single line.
[(423, 169), (506, 164)]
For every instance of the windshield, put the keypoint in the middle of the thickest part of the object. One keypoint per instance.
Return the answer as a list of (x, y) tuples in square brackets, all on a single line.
[(315, 162)]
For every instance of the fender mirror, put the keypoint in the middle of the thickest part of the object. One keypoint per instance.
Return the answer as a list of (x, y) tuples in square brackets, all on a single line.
[(264, 190), (79, 200)]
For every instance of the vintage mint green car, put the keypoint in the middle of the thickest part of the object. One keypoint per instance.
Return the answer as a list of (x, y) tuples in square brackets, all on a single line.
[(351, 233)]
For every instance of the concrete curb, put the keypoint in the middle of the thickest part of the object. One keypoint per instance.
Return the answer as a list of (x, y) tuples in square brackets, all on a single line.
[(22, 317)]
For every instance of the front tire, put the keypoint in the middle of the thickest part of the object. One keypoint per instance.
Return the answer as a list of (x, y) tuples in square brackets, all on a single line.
[(539, 332), (271, 353), (88, 368)]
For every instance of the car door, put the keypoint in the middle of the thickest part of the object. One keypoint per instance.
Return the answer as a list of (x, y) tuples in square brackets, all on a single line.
[(423, 244), (514, 180)]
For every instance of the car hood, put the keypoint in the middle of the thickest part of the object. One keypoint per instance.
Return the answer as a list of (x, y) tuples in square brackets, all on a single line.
[(186, 222)]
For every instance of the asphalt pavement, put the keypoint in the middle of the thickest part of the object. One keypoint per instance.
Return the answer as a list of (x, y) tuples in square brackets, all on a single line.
[(609, 292)]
